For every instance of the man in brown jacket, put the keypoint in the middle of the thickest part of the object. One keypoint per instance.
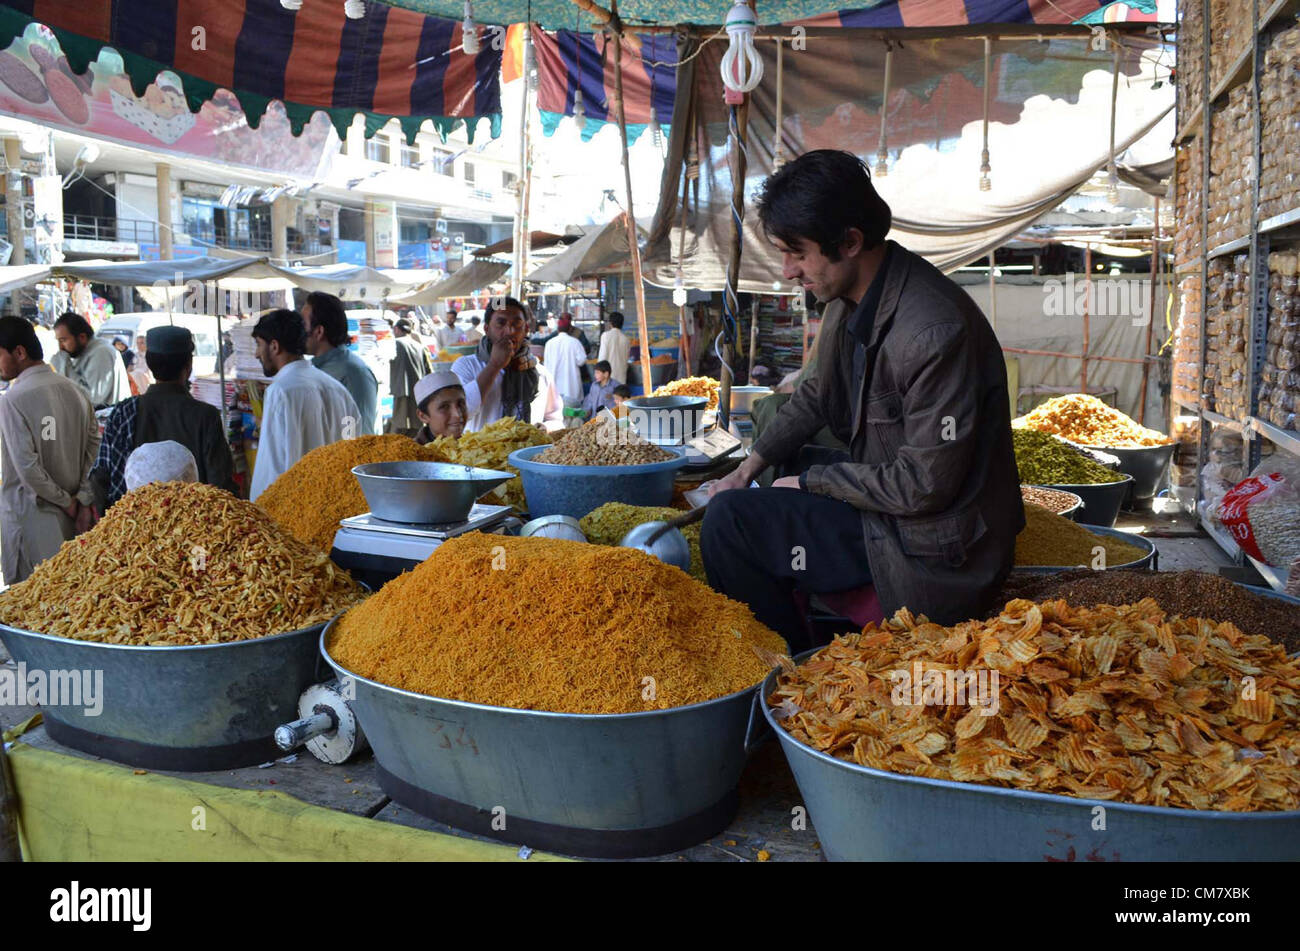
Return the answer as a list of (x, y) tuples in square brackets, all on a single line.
[(926, 503)]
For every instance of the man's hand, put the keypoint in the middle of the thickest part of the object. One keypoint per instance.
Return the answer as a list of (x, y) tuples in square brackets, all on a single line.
[(503, 352), (85, 518), (741, 476), (789, 482), (71, 509)]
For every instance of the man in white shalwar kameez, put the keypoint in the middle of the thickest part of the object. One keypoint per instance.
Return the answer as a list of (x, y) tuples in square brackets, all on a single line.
[(49, 439), (304, 407)]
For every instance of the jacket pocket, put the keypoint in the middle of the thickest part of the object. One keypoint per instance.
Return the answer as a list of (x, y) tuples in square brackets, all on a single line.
[(883, 421), (949, 537)]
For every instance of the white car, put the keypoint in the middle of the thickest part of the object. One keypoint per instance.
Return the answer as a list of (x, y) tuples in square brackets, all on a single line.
[(126, 327)]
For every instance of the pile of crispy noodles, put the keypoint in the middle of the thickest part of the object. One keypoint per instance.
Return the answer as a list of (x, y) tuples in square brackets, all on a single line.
[(548, 624), (177, 563), (1088, 421), (319, 489), (1113, 703), (692, 386)]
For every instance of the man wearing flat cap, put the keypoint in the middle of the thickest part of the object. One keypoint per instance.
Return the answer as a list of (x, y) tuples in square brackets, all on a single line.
[(166, 411)]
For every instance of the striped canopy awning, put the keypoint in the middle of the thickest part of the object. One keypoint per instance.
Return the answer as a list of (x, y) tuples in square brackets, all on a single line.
[(393, 63)]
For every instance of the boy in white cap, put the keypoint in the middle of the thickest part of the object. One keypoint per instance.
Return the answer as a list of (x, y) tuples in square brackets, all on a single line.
[(440, 404), (165, 461)]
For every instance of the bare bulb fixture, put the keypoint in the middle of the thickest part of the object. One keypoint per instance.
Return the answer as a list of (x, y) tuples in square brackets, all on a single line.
[(742, 67), (292, 5), (469, 32), (354, 9)]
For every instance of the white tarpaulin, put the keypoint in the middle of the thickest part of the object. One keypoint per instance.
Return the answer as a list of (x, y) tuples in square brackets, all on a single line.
[(1050, 114), (472, 277)]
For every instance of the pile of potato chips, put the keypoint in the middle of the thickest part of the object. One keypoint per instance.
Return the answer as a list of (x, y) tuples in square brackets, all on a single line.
[(1112, 703)]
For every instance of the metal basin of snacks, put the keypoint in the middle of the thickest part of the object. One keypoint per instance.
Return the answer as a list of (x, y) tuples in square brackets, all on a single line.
[(1148, 560), (667, 420), (1101, 500), (577, 490), (609, 786), (870, 815), (1147, 465), (205, 707)]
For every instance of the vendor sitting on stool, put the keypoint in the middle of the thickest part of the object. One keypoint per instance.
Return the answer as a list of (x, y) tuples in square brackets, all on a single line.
[(911, 377), (440, 404)]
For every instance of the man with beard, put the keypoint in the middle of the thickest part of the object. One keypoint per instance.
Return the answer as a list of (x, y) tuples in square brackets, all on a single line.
[(502, 378), (89, 362)]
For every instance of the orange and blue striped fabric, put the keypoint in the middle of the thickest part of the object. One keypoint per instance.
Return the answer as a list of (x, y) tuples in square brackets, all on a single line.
[(393, 62)]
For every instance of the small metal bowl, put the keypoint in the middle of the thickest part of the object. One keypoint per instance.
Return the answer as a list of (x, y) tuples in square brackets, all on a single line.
[(667, 420), (424, 493), (554, 526)]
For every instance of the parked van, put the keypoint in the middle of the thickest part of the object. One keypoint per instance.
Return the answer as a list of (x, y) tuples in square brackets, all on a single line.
[(206, 345)]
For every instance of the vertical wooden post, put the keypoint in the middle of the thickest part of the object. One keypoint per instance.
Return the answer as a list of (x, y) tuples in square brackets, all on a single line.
[(753, 338), (1087, 308), (739, 165), (616, 30)]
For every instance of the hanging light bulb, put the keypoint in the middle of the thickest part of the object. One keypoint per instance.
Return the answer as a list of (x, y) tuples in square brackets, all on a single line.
[(291, 4), (742, 67), (986, 183), (1112, 186), (679, 290), (469, 31), (881, 168), (656, 133), (579, 113), (353, 9)]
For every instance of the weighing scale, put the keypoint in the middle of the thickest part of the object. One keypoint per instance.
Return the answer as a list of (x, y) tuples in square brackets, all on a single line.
[(375, 551)]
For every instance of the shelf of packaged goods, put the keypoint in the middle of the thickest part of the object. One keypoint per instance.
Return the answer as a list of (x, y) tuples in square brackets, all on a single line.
[(1188, 267), (1238, 73), (1241, 244), (1220, 420), (1221, 538), (1276, 577), (1287, 439), (1278, 222), (1191, 127), (1277, 9)]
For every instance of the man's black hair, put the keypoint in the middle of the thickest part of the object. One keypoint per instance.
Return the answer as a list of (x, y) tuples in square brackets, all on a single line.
[(508, 303), (819, 197), (616, 320), (76, 324), (623, 391), (327, 311), (603, 366), (285, 327), (17, 332), (167, 367)]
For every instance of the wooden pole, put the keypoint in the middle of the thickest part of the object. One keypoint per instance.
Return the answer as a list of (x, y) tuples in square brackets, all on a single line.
[(1087, 307), (1151, 312), (616, 29)]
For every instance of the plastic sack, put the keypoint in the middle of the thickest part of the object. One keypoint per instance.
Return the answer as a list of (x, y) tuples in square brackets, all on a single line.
[(1262, 512)]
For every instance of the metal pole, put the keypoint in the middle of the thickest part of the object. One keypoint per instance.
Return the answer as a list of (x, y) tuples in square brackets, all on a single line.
[(739, 164), (616, 29), (753, 337)]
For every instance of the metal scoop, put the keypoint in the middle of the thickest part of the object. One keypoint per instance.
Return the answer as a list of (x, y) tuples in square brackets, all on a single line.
[(664, 540)]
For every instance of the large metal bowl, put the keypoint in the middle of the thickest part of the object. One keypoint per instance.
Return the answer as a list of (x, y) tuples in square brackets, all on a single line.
[(211, 706), (1148, 560), (870, 815), (611, 786), (577, 490), (667, 420), (744, 397), (424, 493), (1101, 500), (1146, 464)]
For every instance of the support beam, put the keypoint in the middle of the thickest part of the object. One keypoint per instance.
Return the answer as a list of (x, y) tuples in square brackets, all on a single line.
[(166, 239)]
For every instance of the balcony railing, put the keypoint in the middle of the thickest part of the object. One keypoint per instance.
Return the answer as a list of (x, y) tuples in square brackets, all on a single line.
[(93, 228)]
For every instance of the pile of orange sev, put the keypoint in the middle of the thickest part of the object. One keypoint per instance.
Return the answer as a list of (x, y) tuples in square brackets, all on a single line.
[(547, 624)]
